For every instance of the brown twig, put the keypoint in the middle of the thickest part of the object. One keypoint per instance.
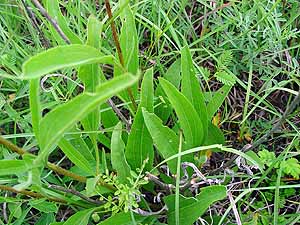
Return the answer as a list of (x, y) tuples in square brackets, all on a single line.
[(154, 179), (118, 46), (51, 20), (30, 194), (34, 22), (52, 166), (74, 192)]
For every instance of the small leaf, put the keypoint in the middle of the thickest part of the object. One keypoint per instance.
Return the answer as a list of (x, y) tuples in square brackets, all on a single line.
[(188, 117), (62, 57), (190, 209), (217, 100), (291, 167), (55, 123), (118, 159), (139, 145), (267, 157), (225, 78), (80, 218)]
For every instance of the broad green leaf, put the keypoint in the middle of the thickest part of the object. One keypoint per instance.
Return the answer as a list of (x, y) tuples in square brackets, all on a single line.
[(62, 57), (8, 167), (190, 209), (52, 7), (217, 100), (191, 89), (43, 206), (63, 117), (139, 145), (118, 159), (188, 118), (80, 218), (123, 218), (173, 75), (164, 138), (75, 156)]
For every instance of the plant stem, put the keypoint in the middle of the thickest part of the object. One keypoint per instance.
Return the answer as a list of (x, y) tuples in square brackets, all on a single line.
[(118, 46), (30, 193), (52, 166)]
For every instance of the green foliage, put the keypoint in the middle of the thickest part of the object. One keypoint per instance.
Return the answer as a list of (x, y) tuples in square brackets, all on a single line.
[(111, 175), (291, 167), (192, 208)]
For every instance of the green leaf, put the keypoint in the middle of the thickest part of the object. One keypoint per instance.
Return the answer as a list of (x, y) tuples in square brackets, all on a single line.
[(43, 206), (123, 218), (118, 159), (267, 157), (56, 123), (225, 78), (8, 167), (191, 89), (53, 9), (291, 167), (62, 57), (139, 145), (164, 138), (129, 46), (188, 118), (215, 135), (190, 209), (217, 100), (173, 75), (75, 156), (90, 75), (80, 218), (35, 106)]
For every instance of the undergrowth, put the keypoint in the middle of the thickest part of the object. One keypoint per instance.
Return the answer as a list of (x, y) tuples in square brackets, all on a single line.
[(149, 112)]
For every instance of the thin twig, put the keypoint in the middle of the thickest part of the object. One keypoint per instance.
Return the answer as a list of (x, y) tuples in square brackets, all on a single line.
[(30, 194), (290, 108), (51, 20), (74, 192), (155, 180), (54, 167), (234, 209), (32, 18), (119, 113)]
